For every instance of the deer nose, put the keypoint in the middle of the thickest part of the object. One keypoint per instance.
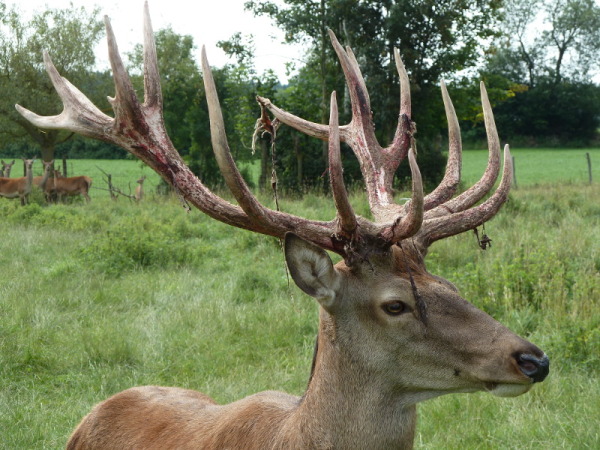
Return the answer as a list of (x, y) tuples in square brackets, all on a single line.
[(535, 368)]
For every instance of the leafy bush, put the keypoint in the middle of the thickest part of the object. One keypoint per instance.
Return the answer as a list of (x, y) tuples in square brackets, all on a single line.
[(134, 245)]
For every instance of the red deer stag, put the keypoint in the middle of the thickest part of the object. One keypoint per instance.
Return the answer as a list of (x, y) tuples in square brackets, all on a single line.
[(18, 187), (6, 168), (390, 333)]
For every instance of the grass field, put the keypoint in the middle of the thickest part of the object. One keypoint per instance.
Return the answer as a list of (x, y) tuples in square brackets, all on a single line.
[(533, 166), (101, 297), (539, 166)]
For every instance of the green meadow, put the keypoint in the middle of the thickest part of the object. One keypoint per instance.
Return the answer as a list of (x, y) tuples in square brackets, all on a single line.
[(539, 166), (533, 167), (99, 297)]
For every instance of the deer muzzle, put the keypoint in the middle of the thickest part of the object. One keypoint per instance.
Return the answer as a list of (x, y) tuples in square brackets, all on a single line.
[(535, 368)]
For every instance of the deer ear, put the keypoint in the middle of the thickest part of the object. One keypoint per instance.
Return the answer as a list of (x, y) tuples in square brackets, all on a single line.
[(312, 270)]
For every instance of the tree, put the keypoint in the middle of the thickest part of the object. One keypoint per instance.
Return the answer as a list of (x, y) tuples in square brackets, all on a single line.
[(550, 114), (568, 44), (305, 21), (299, 156), (242, 85), (185, 110), (575, 30), (69, 36), (548, 53)]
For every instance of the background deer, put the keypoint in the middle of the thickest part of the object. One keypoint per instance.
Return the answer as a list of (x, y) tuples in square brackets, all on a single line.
[(70, 186), (139, 189), (18, 187), (42, 181), (6, 168), (390, 334)]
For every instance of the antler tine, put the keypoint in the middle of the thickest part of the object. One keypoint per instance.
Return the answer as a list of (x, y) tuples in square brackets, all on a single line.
[(449, 183), (408, 225), (234, 180), (403, 137), (405, 103), (346, 217), (489, 177), (125, 103), (359, 99), (353, 67), (78, 112), (441, 227), (152, 89)]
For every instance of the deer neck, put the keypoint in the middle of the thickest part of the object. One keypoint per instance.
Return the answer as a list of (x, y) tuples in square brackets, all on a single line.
[(45, 178), (28, 179), (346, 406)]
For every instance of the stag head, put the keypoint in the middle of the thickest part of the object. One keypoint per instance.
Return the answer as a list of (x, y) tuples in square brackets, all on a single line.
[(391, 334)]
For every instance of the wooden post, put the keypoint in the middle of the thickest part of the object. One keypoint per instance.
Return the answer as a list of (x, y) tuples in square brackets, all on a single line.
[(64, 165), (589, 164), (113, 191), (514, 173), (110, 187)]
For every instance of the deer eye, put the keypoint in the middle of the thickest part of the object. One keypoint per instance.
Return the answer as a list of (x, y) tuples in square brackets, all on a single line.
[(396, 308)]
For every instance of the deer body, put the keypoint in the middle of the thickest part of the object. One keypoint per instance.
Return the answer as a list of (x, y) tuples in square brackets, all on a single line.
[(42, 181), (390, 333), (184, 419), (358, 397), (71, 186), (139, 189), (18, 187)]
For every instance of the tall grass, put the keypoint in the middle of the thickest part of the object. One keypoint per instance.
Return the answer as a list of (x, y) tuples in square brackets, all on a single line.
[(101, 297)]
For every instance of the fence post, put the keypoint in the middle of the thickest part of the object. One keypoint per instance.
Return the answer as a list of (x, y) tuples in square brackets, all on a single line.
[(589, 164)]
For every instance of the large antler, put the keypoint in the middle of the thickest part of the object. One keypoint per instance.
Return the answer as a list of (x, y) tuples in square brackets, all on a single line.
[(139, 128), (440, 214)]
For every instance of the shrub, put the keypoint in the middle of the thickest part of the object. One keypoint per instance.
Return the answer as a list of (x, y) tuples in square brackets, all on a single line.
[(129, 245)]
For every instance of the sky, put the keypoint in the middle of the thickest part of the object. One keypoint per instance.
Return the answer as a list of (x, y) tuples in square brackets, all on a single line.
[(207, 21)]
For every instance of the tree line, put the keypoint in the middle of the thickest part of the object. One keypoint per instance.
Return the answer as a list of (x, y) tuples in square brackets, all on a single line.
[(537, 58)]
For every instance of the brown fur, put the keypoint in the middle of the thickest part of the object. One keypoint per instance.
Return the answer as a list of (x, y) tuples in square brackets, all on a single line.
[(139, 189), (18, 187), (6, 168), (70, 186), (42, 181)]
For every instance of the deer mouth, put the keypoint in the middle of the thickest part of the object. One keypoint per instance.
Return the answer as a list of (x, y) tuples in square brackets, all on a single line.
[(507, 389)]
